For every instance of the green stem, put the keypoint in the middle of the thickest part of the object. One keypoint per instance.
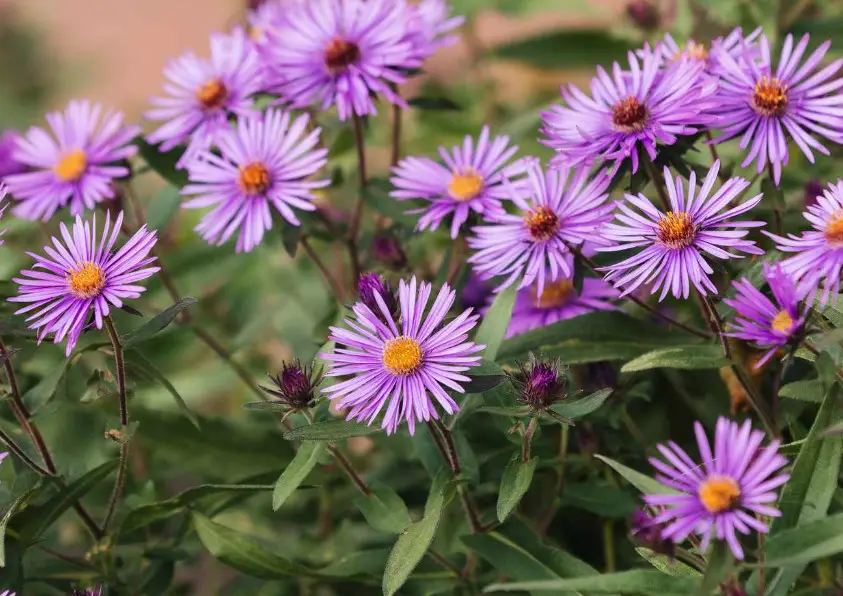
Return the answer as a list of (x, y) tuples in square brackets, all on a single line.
[(336, 289), (343, 462), (528, 438), (120, 364)]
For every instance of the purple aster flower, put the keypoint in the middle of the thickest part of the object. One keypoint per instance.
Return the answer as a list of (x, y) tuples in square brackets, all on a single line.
[(8, 163), (81, 275), (559, 300), (202, 94), (429, 25), (819, 252), (402, 368), (722, 495), (474, 178), (765, 107), (77, 164), (675, 244), (7, 593), (264, 162), (735, 45), (642, 107), (767, 323), (341, 52), (373, 290), (557, 208), (264, 17), (648, 533)]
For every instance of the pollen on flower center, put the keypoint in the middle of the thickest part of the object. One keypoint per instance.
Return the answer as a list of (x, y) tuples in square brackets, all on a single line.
[(782, 322), (719, 493), (554, 295), (676, 230), (630, 115), (770, 97), (212, 94), (86, 280), (465, 185), (542, 223), (693, 50), (341, 54), (71, 166), (402, 355), (834, 229), (254, 178)]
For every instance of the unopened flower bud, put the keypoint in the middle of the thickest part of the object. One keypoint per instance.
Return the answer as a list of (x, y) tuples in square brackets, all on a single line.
[(294, 386), (541, 383)]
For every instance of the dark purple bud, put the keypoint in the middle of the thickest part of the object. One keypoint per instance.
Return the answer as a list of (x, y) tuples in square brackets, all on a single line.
[(294, 386), (372, 285), (9, 165), (813, 190), (476, 292), (388, 251), (643, 14), (646, 532), (541, 384)]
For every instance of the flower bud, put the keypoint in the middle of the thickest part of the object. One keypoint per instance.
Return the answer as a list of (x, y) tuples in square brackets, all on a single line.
[(813, 190), (541, 383), (294, 386), (371, 285)]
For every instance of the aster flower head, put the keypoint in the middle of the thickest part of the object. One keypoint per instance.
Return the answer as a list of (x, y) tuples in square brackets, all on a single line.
[(295, 385), (403, 367), (76, 165), (722, 495), (646, 532), (640, 108), (764, 106), (734, 44), (768, 323), (541, 383), (83, 275), (263, 17), (8, 146), (340, 52), (263, 163), (430, 26), (203, 93), (557, 208), (675, 245), (474, 178), (374, 291)]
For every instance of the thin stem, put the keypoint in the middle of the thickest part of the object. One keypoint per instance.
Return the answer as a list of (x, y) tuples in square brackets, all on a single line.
[(338, 291), (545, 522), (357, 214), (457, 260), (397, 113), (16, 449), (528, 438), (756, 402), (349, 470), (777, 216), (656, 313), (134, 203), (609, 545), (657, 181), (444, 562), (711, 147), (120, 364)]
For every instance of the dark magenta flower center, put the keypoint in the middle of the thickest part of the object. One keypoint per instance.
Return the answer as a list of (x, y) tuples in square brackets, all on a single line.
[(630, 115), (340, 55)]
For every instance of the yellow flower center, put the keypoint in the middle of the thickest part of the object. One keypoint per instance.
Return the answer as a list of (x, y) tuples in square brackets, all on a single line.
[(86, 281), (719, 493), (542, 223), (783, 323), (71, 166), (554, 295), (675, 230), (341, 54), (212, 94), (693, 50), (769, 97), (465, 185), (256, 33), (402, 355), (834, 229), (630, 115), (254, 178)]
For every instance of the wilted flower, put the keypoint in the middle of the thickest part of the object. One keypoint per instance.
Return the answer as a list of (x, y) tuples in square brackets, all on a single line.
[(81, 276), (648, 533), (76, 165), (262, 163), (387, 251), (473, 179), (374, 291), (676, 243), (798, 99), (295, 386), (724, 494), (541, 383), (402, 368)]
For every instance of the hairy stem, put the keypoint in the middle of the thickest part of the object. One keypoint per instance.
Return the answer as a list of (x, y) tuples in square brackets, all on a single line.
[(120, 365), (528, 438)]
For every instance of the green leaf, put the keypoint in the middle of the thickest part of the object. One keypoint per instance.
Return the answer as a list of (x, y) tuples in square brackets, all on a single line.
[(719, 563), (508, 557), (493, 327), (625, 582), (482, 383), (165, 204), (330, 430), (244, 554), (565, 49), (377, 196), (137, 360), (685, 357), (44, 392), (415, 540), (599, 497), (293, 475), (511, 411), (156, 324), (647, 485), (667, 565), (811, 391), (164, 163), (290, 236), (34, 521), (515, 482), (384, 509), (19, 503), (805, 543), (433, 103), (582, 407), (367, 562)]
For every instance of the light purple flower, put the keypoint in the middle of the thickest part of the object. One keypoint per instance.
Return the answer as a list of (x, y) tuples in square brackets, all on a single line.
[(202, 94), (764, 322), (556, 208), (765, 106), (721, 496), (734, 44), (263, 163), (472, 179), (81, 276), (818, 252), (8, 163), (265, 17), (78, 164), (637, 108), (429, 25), (340, 52), (401, 368), (675, 245)]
